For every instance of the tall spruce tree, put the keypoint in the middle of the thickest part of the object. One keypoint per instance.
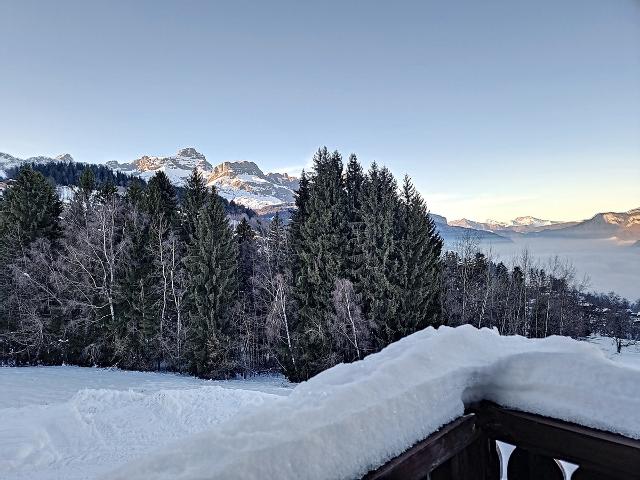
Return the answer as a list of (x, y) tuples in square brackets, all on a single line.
[(277, 246), (212, 267), (161, 200), (354, 181), (86, 184), (135, 194), (419, 269), (376, 279), (138, 316), (162, 208), (298, 219), (195, 197), (246, 240), (321, 250), (30, 209)]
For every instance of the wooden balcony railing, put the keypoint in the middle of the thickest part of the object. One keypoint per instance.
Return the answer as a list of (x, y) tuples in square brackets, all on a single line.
[(466, 449)]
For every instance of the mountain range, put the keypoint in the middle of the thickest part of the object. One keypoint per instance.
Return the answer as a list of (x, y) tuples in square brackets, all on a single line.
[(619, 225), (526, 224), (246, 184), (7, 162), (241, 181)]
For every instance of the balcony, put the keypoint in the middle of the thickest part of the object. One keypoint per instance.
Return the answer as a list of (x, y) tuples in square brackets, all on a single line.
[(466, 449)]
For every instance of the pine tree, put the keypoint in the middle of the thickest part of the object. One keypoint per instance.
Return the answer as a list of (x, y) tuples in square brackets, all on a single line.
[(161, 200), (134, 294), (298, 219), (376, 280), (321, 253), (211, 264), (30, 209), (419, 248), (87, 184), (160, 203), (195, 197), (246, 240), (135, 194), (107, 191), (277, 246), (354, 181), (29, 225)]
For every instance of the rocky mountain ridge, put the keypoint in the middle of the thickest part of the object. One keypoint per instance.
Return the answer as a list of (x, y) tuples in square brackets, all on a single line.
[(7, 162), (241, 181)]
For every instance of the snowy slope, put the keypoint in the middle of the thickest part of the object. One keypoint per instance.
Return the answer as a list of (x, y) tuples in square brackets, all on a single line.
[(245, 183), (76, 423), (353, 418), (178, 167)]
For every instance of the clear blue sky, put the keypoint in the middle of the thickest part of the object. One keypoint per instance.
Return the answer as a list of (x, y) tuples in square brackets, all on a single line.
[(495, 108)]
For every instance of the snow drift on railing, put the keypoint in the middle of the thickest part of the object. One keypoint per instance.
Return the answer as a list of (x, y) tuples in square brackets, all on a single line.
[(353, 418)]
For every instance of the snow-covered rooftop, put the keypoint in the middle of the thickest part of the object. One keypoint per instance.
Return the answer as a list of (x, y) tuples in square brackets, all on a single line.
[(353, 418)]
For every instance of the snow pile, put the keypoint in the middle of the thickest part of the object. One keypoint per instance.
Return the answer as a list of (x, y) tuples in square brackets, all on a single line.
[(62, 432), (353, 418)]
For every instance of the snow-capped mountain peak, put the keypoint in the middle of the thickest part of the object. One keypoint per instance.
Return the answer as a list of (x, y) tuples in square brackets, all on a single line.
[(7, 162), (65, 157), (178, 167), (532, 222), (242, 181), (523, 224), (245, 183)]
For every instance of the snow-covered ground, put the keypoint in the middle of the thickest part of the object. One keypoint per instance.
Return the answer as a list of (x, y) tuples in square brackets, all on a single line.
[(79, 423), (628, 356)]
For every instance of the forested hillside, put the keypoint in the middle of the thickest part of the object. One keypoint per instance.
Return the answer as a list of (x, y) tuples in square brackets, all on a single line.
[(159, 279), (69, 173)]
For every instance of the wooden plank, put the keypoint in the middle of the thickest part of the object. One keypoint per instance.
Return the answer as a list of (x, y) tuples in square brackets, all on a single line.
[(478, 461), (584, 474), (598, 451), (417, 462)]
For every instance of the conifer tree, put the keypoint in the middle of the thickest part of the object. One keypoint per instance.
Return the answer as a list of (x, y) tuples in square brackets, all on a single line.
[(135, 194), (30, 209), (378, 268), (321, 251), (211, 265), (195, 197), (107, 191), (135, 299), (29, 215), (161, 201), (354, 181), (246, 240), (277, 246), (298, 219), (419, 248), (87, 184)]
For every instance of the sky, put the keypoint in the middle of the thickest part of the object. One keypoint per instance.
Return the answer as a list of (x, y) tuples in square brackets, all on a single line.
[(496, 109)]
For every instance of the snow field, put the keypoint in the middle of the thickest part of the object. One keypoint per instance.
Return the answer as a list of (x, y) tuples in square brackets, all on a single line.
[(55, 433)]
